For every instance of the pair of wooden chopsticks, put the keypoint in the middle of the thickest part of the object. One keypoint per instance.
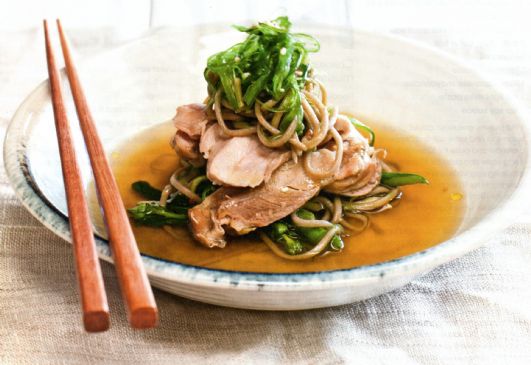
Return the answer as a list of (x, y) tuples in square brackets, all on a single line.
[(136, 291)]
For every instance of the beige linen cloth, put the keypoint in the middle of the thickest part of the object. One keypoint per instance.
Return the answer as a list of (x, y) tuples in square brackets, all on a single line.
[(474, 310)]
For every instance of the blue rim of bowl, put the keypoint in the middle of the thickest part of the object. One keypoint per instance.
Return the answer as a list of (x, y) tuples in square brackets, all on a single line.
[(19, 174)]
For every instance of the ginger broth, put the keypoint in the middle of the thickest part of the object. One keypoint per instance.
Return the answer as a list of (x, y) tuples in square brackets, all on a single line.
[(425, 216)]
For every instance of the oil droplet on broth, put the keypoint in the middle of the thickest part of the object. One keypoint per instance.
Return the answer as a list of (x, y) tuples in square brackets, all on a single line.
[(456, 196), (397, 232)]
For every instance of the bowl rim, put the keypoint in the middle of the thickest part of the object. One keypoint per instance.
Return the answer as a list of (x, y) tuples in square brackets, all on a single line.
[(18, 174)]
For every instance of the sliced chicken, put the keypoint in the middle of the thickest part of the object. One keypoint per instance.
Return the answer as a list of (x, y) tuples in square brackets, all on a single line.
[(359, 173), (204, 221), (190, 122), (185, 146), (361, 183), (238, 161), (348, 132), (355, 159), (240, 211), (287, 190), (191, 119), (260, 187)]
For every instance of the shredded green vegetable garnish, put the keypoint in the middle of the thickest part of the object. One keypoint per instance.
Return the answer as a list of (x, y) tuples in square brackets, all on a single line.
[(271, 63)]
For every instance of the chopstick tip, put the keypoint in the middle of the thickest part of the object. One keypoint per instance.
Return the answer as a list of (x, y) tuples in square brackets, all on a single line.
[(143, 318), (96, 321)]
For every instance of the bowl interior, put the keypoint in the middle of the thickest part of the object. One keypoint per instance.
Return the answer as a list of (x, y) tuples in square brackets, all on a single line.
[(459, 115)]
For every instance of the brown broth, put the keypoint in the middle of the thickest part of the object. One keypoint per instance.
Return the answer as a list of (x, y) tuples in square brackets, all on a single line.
[(426, 215)]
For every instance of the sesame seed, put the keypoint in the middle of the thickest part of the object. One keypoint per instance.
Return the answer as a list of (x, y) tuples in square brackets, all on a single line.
[(283, 51)]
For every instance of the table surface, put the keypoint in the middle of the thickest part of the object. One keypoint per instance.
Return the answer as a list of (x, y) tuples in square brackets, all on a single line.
[(473, 310)]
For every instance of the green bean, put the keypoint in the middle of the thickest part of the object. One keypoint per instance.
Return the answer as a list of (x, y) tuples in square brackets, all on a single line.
[(337, 243), (305, 214), (296, 240), (313, 206), (312, 235), (394, 179)]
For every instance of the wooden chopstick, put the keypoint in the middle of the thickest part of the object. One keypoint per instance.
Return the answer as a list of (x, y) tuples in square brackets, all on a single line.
[(90, 281), (136, 290)]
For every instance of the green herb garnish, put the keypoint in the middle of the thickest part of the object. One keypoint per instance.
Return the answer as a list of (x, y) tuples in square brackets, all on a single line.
[(272, 63)]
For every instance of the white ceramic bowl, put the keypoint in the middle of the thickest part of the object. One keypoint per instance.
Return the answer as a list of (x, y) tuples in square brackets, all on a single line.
[(439, 100)]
